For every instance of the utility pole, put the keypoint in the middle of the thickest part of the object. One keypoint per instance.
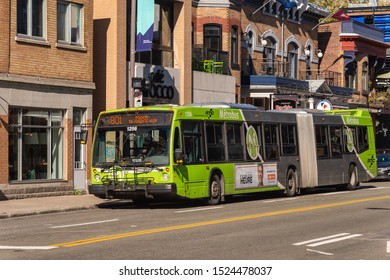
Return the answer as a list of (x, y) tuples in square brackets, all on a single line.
[(130, 90)]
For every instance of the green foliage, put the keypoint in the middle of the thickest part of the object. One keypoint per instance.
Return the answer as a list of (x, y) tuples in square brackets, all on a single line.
[(379, 96), (334, 5)]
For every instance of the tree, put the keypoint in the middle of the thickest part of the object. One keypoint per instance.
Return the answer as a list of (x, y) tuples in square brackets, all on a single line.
[(334, 5)]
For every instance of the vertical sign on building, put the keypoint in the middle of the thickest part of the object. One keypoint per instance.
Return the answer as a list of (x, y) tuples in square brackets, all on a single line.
[(145, 20)]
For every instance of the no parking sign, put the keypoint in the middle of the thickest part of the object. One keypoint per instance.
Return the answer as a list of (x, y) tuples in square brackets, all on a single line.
[(138, 98)]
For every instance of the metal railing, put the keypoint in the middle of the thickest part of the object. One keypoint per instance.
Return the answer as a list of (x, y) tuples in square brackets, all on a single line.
[(283, 69), (332, 78), (265, 67)]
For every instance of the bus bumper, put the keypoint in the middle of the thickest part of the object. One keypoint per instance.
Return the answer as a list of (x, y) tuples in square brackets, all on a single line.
[(131, 191)]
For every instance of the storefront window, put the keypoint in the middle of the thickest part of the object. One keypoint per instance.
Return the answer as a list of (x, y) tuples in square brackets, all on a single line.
[(35, 144)]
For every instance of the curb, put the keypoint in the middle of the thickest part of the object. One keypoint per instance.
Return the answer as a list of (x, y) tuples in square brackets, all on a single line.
[(45, 211)]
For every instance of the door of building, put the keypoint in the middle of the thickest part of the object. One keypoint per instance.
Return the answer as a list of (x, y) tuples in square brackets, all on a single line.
[(79, 152)]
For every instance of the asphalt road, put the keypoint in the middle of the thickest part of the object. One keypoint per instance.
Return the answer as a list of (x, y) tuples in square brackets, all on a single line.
[(323, 225)]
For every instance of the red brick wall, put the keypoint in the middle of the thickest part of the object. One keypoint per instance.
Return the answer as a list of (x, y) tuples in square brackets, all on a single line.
[(331, 46), (4, 36), (51, 61)]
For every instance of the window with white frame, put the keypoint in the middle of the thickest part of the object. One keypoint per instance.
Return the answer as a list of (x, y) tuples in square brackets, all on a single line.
[(70, 23), (36, 144), (31, 18)]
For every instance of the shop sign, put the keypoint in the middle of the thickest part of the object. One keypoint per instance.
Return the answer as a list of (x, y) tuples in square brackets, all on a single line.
[(284, 104)]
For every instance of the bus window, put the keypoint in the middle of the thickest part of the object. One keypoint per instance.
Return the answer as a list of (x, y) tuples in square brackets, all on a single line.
[(271, 141), (192, 135), (362, 139), (234, 140), (176, 140), (349, 139), (289, 141), (215, 146), (322, 141), (335, 141)]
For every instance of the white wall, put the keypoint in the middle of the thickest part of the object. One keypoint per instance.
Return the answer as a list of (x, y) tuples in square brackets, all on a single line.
[(213, 87)]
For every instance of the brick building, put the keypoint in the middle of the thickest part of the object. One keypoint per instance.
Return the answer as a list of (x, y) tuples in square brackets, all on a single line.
[(46, 88), (355, 51), (270, 50), (170, 57)]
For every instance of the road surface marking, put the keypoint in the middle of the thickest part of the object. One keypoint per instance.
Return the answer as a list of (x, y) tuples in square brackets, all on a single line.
[(85, 224), (388, 247), (333, 240), (320, 252), (279, 199), (374, 189), (199, 209), (214, 222), (320, 239), (333, 193), (327, 239), (28, 247)]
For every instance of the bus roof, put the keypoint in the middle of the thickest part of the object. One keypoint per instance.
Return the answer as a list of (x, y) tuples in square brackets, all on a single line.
[(223, 105)]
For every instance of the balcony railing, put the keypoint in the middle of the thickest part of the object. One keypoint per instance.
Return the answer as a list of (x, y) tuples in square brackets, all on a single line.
[(283, 69), (211, 61), (332, 78), (261, 67)]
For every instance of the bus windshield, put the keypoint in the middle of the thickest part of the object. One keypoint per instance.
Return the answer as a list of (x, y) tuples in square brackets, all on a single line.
[(132, 148)]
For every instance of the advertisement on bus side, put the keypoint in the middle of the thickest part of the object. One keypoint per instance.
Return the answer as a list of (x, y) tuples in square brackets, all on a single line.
[(249, 176)]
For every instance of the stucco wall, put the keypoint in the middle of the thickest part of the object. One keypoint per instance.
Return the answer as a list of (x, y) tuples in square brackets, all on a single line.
[(213, 87)]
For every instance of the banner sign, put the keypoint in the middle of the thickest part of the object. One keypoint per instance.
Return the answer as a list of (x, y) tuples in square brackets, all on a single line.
[(145, 20)]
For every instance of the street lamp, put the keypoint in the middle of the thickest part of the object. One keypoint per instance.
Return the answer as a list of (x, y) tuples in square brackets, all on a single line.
[(308, 52), (263, 41)]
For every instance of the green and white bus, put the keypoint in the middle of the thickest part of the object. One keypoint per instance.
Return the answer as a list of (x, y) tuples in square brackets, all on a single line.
[(215, 150)]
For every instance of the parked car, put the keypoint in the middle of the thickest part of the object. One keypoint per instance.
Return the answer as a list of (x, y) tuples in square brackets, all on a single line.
[(383, 163)]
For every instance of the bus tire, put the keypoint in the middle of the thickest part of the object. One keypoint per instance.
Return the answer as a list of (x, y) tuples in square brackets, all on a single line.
[(291, 183), (352, 178), (215, 190)]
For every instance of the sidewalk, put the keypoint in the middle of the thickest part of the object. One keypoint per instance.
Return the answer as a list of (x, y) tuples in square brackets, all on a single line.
[(42, 205)]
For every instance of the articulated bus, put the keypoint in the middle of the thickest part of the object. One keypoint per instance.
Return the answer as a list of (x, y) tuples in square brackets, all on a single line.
[(212, 151)]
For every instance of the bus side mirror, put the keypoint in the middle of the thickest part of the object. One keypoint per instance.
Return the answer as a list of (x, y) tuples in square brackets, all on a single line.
[(84, 137), (179, 156)]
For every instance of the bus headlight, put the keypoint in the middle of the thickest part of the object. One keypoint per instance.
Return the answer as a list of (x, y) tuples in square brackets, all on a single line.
[(165, 176), (97, 177)]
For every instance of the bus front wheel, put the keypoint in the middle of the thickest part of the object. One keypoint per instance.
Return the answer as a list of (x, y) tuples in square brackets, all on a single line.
[(292, 182), (215, 190)]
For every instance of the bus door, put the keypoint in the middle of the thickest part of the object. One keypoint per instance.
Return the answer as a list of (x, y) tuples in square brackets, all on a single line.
[(192, 172), (307, 151)]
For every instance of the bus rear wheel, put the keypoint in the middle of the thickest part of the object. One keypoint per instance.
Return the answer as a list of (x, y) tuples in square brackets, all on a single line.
[(352, 178), (215, 190), (291, 183)]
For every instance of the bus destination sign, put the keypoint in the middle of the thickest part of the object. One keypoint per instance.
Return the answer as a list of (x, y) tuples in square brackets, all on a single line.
[(129, 118)]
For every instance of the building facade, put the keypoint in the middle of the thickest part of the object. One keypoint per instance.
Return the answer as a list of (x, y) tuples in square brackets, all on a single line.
[(169, 60), (379, 96), (46, 91)]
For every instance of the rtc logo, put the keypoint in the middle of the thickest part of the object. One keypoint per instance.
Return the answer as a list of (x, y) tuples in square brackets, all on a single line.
[(324, 105)]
